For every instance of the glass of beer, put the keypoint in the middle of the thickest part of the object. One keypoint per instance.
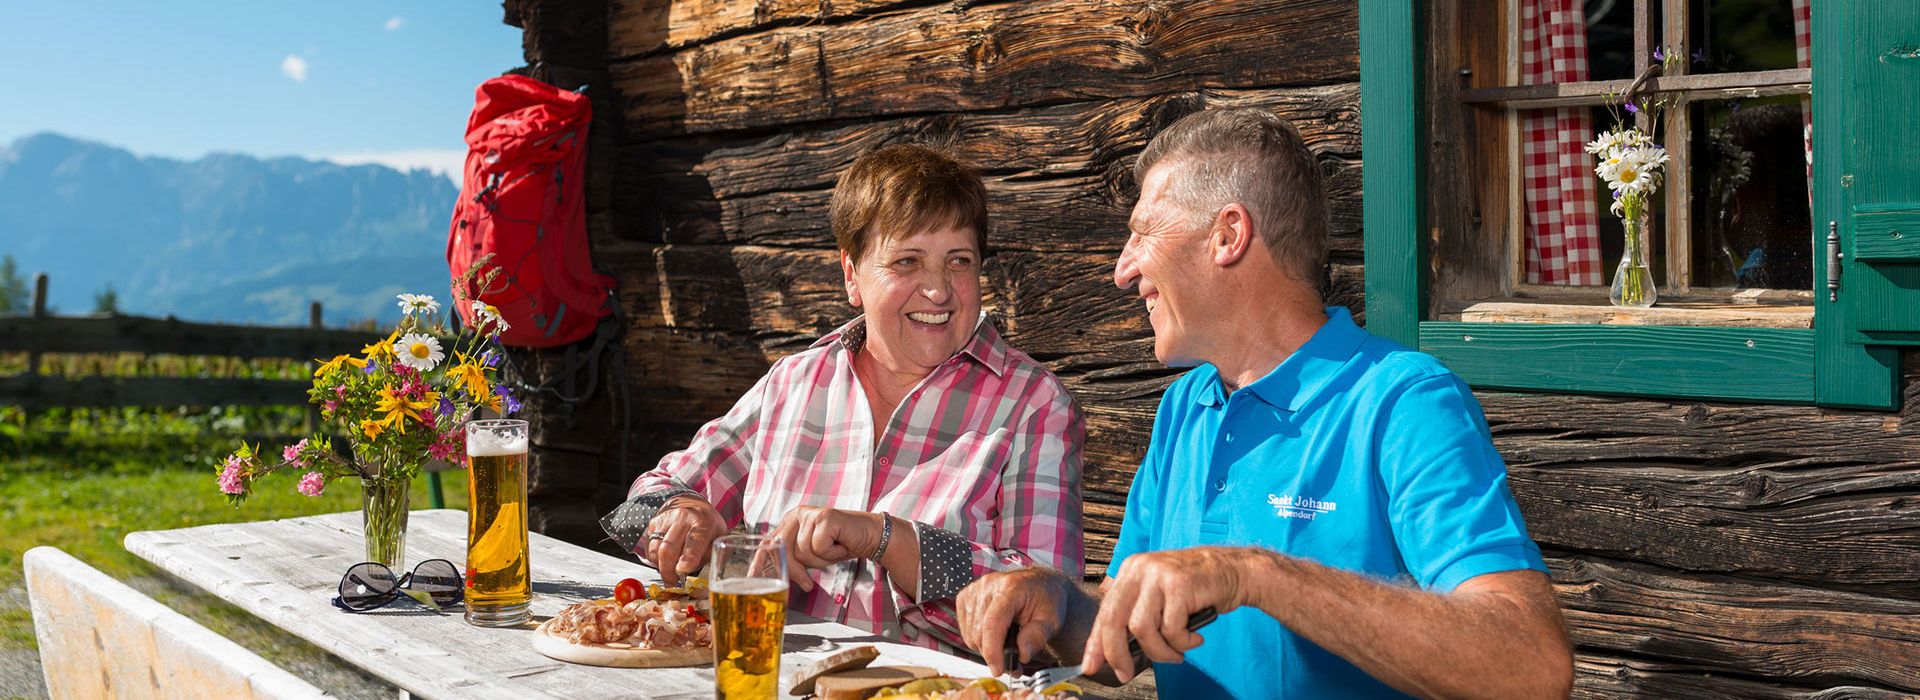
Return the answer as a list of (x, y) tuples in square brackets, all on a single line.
[(749, 590), (499, 586)]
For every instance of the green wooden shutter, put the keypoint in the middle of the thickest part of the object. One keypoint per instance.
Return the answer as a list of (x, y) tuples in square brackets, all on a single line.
[(1880, 172)]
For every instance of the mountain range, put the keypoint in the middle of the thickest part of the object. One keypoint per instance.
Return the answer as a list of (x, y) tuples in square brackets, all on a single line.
[(227, 237)]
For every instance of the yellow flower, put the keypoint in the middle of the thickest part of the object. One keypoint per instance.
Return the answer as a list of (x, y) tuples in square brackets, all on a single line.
[(470, 377), (370, 428), (336, 363), (382, 350), (397, 407)]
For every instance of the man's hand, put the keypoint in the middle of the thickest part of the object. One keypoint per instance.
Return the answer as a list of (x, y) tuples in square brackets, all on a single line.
[(817, 538), (680, 537), (1152, 598), (1036, 599)]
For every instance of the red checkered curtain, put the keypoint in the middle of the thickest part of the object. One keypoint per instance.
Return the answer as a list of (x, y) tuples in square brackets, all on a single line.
[(1803, 47), (1561, 230)]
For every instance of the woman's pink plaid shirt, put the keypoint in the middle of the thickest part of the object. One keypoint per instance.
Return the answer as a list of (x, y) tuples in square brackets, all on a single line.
[(984, 457)]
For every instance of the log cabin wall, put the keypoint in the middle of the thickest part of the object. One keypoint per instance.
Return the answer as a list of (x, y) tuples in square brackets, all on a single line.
[(1698, 549)]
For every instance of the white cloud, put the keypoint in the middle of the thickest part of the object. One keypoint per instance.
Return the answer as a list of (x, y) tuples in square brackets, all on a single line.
[(295, 67), (396, 23), (447, 163)]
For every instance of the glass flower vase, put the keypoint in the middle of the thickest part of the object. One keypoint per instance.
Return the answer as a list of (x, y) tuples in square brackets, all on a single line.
[(383, 504), (1633, 279)]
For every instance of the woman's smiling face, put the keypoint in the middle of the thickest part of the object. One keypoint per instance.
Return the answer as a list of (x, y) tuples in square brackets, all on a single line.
[(921, 296)]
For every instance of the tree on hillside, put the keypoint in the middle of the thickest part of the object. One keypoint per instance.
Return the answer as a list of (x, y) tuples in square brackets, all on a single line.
[(106, 302), (13, 288)]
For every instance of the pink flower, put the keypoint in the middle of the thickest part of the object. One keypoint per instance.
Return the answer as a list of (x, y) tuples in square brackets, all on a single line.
[(329, 406), (447, 448), (292, 453), (312, 484), (230, 480), (340, 391)]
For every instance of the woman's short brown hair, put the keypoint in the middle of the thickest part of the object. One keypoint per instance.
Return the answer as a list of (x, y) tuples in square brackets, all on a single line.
[(903, 190)]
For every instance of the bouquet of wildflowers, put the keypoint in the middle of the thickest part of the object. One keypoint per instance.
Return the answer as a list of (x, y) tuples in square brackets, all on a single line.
[(399, 402), (1631, 164)]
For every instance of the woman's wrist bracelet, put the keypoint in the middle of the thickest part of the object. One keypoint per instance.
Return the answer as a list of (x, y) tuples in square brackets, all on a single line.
[(886, 535)]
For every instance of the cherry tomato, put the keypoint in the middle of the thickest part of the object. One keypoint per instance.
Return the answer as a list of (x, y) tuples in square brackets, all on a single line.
[(628, 590)]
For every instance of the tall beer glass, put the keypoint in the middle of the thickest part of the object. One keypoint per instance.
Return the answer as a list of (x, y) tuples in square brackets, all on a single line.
[(499, 587), (749, 590)]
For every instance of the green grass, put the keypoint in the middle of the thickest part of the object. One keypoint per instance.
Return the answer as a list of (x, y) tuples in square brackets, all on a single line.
[(84, 495)]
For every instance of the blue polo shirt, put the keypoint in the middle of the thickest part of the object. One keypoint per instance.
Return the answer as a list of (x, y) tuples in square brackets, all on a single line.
[(1356, 453)]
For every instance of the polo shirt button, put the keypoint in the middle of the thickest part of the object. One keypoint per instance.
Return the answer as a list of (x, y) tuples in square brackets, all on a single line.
[(886, 461), (1220, 485), (1229, 437), (840, 598)]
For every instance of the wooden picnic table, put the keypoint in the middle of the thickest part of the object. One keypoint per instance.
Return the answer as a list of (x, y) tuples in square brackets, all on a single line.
[(286, 571)]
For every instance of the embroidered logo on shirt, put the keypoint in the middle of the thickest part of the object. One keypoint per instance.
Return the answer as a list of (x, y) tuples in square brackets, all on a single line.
[(1302, 507)]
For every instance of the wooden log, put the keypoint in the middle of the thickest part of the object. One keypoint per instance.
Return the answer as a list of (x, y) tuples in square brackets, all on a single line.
[(1736, 626), (1059, 178), (644, 27), (1599, 677), (959, 57), (1809, 519), (170, 336)]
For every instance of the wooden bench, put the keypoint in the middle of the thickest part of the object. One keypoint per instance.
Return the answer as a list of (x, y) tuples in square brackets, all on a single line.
[(100, 638)]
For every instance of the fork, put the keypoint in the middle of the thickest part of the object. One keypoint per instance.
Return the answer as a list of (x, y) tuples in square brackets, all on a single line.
[(1048, 676)]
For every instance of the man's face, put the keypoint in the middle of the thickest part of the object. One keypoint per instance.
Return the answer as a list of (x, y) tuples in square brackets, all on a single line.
[(1165, 257)]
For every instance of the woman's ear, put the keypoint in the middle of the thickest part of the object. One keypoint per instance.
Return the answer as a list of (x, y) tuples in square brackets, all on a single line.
[(846, 272)]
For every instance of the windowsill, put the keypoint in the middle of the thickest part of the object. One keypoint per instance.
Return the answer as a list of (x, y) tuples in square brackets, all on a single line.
[(1718, 313)]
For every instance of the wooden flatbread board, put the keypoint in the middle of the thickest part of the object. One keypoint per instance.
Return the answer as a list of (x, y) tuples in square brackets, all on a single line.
[(619, 655)]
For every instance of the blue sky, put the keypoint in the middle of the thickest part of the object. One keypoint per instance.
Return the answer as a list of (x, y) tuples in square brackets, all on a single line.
[(351, 80)]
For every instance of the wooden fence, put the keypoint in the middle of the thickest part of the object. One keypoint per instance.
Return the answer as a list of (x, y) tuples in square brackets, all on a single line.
[(40, 333)]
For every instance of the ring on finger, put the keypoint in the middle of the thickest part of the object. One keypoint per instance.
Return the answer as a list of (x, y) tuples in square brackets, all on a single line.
[(656, 536)]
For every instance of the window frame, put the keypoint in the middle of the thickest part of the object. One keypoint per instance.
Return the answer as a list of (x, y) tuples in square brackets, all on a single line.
[(1769, 365)]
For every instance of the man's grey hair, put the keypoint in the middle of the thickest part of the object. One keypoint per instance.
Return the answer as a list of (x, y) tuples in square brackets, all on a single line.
[(1254, 157)]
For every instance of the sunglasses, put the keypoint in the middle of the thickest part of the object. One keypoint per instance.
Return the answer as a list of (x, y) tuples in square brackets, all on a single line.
[(370, 585)]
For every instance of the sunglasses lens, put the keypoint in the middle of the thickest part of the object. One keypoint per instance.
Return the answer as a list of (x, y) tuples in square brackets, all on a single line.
[(438, 578), (367, 586)]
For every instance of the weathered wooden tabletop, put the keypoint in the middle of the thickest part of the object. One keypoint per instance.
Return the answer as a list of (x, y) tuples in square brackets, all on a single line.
[(285, 571)]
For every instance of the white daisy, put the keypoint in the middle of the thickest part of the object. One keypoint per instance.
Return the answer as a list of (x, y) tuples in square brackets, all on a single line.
[(418, 304), (488, 317), (419, 351)]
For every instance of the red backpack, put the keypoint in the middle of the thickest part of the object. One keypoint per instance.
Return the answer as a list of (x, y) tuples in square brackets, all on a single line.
[(522, 200)]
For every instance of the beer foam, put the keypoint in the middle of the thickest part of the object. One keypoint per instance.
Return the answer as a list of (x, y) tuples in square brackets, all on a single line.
[(748, 586), (486, 443)]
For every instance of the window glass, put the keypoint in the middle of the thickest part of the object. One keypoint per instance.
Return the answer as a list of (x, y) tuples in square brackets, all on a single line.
[(1751, 214), (1609, 39), (1741, 35)]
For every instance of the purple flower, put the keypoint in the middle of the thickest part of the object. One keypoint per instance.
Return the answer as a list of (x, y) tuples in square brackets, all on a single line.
[(371, 367), (490, 358), (1659, 55), (507, 401), (312, 484), (445, 408), (1633, 108)]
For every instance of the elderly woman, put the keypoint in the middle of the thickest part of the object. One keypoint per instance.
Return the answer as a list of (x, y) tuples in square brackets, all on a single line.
[(906, 452)]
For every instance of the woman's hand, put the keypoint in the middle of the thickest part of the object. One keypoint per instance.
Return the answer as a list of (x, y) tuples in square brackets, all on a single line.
[(817, 538), (680, 537)]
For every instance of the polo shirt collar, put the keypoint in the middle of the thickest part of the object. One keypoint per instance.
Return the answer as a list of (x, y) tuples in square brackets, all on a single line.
[(986, 347), (1305, 373)]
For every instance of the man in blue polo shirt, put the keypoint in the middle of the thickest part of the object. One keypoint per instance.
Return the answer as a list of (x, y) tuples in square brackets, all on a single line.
[(1334, 495)]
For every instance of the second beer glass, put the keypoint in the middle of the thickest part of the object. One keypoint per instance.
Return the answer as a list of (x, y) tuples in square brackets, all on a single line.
[(749, 589), (499, 587)]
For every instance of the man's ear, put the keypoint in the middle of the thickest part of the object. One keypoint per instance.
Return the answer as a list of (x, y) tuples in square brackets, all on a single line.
[(1231, 235), (846, 273)]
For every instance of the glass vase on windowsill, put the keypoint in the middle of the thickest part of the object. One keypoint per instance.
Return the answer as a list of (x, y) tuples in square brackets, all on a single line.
[(1633, 279)]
